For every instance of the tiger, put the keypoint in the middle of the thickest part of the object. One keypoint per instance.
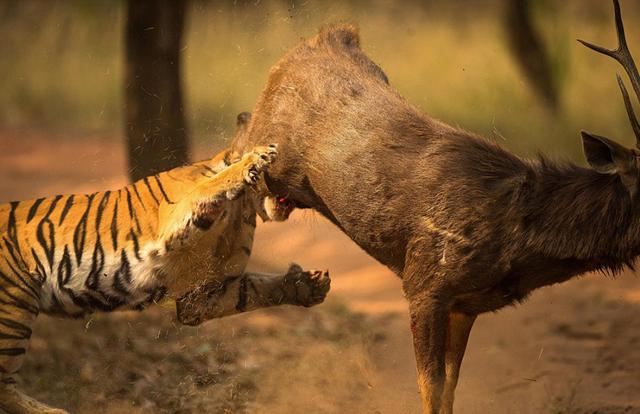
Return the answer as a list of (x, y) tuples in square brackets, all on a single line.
[(183, 235)]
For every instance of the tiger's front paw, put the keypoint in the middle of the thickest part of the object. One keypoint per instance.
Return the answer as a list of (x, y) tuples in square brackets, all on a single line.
[(258, 160), (309, 287)]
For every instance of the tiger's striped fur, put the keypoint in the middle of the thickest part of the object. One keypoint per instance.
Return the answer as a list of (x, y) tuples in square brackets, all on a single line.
[(185, 234)]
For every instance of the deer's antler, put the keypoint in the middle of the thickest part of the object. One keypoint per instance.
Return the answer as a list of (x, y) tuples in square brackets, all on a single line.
[(623, 55)]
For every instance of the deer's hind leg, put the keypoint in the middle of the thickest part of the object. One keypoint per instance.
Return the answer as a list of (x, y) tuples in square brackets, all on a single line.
[(427, 287), (252, 291), (459, 328), (19, 306), (429, 314)]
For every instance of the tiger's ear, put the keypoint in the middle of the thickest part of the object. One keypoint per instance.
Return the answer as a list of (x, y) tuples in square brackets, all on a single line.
[(608, 157), (242, 120)]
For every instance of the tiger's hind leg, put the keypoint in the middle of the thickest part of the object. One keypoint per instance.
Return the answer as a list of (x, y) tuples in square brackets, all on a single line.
[(19, 304), (14, 401), (252, 291)]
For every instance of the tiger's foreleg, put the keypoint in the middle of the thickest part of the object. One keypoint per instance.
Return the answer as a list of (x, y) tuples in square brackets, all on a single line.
[(199, 209), (252, 291), (19, 305)]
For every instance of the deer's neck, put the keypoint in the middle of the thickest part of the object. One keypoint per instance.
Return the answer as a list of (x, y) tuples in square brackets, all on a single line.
[(576, 213)]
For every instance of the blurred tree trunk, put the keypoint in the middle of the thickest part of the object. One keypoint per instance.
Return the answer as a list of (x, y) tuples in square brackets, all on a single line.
[(528, 50), (154, 113)]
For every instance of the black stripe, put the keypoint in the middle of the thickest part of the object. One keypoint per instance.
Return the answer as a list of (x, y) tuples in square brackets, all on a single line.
[(34, 209), (95, 300), (253, 287), (53, 204), (64, 269), (135, 189), (136, 244), (4, 310), (242, 295), (19, 262), (159, 293), (80, 233), (114, 225), (39, 267), (12, 228), (146, 182), (15, 337), (132, 211), (50, 246), (97, 264), (100, 211), (12, 351), (11, 247), (64, 275), (19, 275), (56, 306), (23, 330), (164, 195), (47, 241), (65, 209), (227, 158), (82, 301), (20, 303), (14, 283), (122, 278), (211, 170)]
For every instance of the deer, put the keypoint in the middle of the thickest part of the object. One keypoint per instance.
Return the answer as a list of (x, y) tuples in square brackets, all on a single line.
[(468, 226)]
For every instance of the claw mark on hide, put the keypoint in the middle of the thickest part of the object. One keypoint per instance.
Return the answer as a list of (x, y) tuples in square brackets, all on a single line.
[(443, 259), (431, 226)]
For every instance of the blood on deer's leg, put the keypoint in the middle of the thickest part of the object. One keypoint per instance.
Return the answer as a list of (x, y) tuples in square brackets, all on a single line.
[(460, 325)]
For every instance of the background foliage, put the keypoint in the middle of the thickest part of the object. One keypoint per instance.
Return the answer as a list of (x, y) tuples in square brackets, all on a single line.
[(61, 64)]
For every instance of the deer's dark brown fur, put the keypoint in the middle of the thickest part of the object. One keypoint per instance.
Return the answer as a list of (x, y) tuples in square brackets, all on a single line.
[(468, 226)]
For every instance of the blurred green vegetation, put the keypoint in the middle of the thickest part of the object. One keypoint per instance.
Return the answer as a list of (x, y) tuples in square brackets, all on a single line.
[(61, 65)]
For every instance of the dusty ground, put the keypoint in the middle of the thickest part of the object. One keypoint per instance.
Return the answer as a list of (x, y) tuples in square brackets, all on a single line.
[(573, 348)]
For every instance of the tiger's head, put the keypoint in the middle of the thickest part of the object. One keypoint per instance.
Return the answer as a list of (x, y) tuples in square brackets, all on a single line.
[(269, 206), (272, 208)]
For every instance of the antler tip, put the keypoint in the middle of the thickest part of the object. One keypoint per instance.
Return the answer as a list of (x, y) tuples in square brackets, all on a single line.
[(597, 48)]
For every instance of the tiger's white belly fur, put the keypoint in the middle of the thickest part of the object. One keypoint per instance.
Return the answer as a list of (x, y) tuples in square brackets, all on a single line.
[(127, 281), (121, 284)]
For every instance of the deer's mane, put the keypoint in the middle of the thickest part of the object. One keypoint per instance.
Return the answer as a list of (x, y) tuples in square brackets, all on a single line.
[(575, 212)]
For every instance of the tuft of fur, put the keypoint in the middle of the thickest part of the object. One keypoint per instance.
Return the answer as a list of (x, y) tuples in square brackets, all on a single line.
[(337, 35), (344, 38)]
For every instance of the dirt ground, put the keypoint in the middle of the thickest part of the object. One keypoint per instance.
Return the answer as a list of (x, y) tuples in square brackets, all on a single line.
[(572, 348)]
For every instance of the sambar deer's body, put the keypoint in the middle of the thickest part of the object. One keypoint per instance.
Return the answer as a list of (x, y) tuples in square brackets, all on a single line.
[(468, 226)]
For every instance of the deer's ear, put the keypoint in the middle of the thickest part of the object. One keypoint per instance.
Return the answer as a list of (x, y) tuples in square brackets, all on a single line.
[(608, 157)]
